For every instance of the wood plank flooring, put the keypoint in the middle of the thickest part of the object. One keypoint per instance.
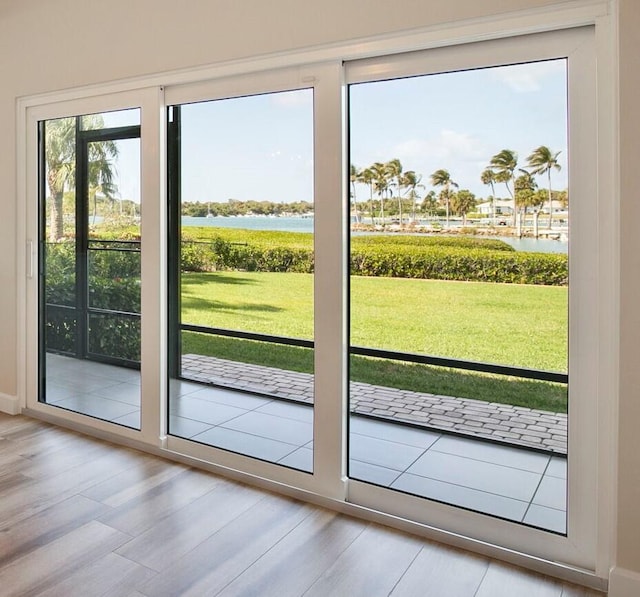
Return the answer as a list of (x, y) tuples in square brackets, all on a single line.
[(81, 517)]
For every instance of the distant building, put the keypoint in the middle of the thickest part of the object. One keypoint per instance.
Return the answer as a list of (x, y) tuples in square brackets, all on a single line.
[(505, 207), (502, 207)]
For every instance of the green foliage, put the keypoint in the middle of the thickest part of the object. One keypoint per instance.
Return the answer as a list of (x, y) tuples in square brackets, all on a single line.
[(260, 238), (60, 330), (234, 207), (429, 241), (114, 284), (197, 257), (401, 256), (452, 263), (224, 255), (116, 230), (115, 336), (61, 273)]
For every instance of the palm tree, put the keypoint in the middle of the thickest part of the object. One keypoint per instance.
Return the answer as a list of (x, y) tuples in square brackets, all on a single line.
[(354, 177), (411, 182), (429, 203), (367, 177), (380, 184), (394, 171), (525, 187), (541, 161), (102, 156), (504, 164), (462, 203), (442, 178), (60, 157), (60, 152), (488, 177)]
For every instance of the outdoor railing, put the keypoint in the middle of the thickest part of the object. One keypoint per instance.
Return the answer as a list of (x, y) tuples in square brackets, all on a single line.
[(536, 374)]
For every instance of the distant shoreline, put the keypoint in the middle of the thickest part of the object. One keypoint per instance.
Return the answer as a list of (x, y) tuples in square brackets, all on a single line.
[(305, 225)]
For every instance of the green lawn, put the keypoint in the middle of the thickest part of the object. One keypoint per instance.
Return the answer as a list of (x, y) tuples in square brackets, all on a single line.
[(510, 324), (500, 323)]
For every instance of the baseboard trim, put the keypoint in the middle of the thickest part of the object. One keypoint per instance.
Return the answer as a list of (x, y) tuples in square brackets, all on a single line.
[(624, 583), (9, 405)]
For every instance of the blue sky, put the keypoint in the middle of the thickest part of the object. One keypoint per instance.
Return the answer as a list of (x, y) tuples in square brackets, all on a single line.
[(457, 121), (261, 147), (249, 148)]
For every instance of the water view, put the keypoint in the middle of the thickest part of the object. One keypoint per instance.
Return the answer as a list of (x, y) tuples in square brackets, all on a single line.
[(305, 224)]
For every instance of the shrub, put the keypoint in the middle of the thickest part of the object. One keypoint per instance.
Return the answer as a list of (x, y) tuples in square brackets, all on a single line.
[(402, 256), (220, 254), (197, 257), (114, 284), (115, 336), (418, 240), (450, 263)]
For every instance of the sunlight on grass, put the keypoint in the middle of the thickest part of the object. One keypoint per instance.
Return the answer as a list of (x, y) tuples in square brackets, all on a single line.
[(509, 324)]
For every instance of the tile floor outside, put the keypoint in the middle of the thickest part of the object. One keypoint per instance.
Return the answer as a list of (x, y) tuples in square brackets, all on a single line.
[(510, 482)]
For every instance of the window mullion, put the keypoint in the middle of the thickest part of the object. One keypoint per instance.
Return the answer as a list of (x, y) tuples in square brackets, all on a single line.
[(330, 283)]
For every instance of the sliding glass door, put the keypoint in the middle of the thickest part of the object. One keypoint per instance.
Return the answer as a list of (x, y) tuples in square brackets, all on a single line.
[(459, 288), (241, 275), (90, 273)]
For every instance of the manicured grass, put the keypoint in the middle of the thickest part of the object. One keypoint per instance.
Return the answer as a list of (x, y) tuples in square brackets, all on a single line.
[(304, 240), (500, 323), (258, 238), (510, 324)]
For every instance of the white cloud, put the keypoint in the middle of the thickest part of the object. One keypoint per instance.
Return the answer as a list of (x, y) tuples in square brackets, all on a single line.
[(527, 78), (447, 146)]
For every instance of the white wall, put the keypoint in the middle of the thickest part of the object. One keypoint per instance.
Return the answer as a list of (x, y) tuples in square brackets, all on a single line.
[(47, 45)]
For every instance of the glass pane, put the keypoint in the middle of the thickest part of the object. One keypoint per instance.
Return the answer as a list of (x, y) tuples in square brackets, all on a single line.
[(244, 331), (459, 289), (90, 285), (114, 275), (58, 230), (107, 120)]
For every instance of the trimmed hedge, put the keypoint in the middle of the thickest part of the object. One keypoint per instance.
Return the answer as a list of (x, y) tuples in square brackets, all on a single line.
[(477, 265), (459, 260), (222, 255), (461, 242)]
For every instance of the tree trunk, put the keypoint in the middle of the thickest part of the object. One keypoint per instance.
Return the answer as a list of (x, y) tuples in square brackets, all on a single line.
[(550, 200), (56, 216), (373, 221)]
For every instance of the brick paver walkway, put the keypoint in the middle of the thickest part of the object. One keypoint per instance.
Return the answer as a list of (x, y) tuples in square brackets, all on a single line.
[(501, 422)]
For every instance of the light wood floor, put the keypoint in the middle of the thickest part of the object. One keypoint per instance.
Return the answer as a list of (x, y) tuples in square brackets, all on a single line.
[(81, 517)]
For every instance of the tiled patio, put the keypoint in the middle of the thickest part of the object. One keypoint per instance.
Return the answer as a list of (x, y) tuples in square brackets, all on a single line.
[(506, 481), (515, 425)]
